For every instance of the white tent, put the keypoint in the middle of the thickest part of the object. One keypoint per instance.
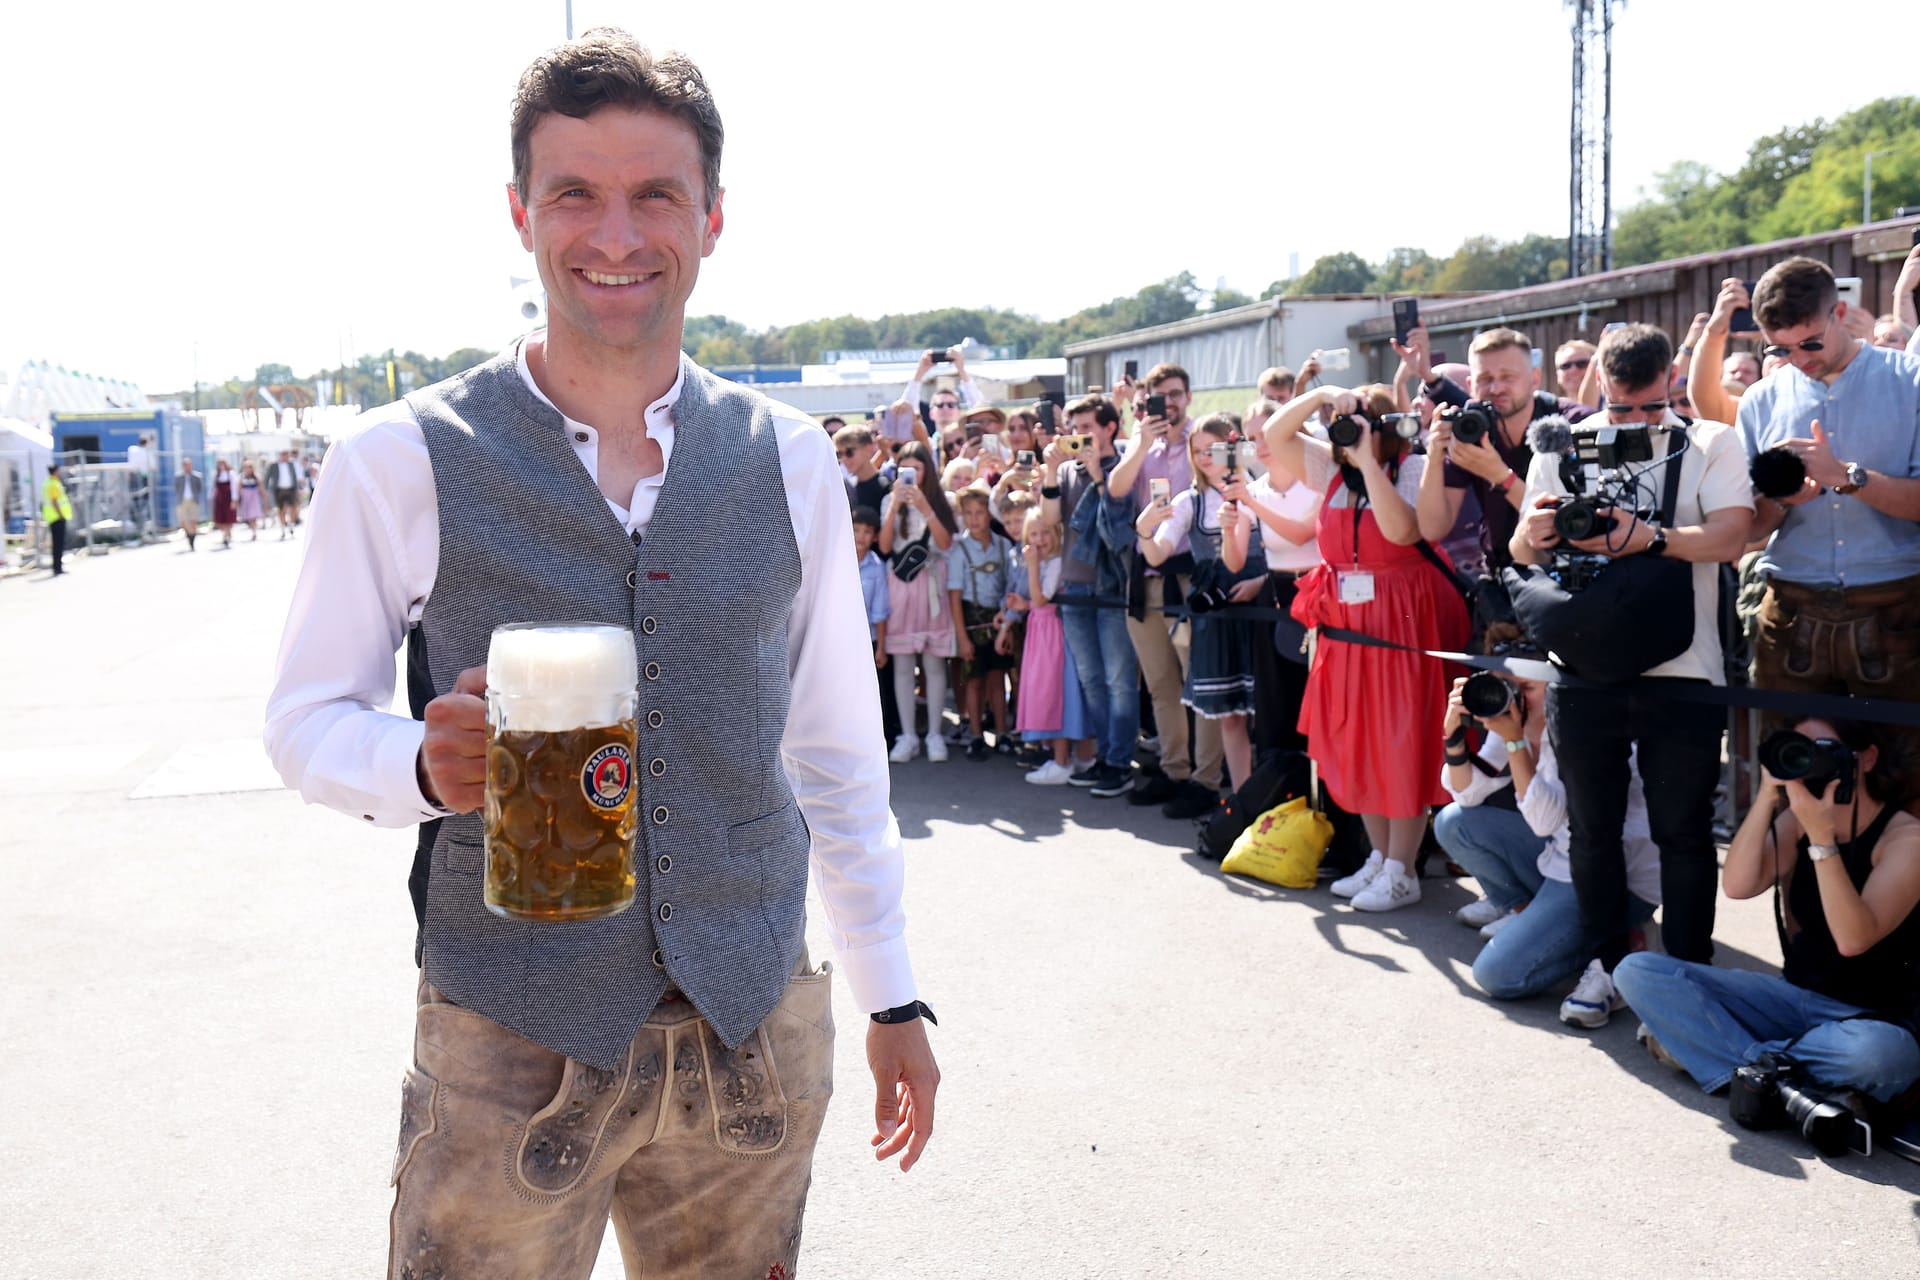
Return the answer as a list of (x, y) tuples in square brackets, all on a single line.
[(25, 453)]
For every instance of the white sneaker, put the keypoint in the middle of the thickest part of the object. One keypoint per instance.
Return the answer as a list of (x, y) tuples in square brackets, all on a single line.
[(1050, 774), (905, 748), (936, 748), (1347, 886), (1593, 1000), (1493, 927), (1388, 891), (1478, 915)]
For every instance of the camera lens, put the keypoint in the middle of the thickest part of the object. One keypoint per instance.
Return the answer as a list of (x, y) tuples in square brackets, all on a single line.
[(1777, 473), (1788, 755), (1576, 520), (1486, 694), (1346, 431), (1472, 423)]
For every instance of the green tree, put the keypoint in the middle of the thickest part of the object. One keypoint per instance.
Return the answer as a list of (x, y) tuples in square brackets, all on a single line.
[(1334, 273), (268, 375), (1405, 270), (1225, 298)]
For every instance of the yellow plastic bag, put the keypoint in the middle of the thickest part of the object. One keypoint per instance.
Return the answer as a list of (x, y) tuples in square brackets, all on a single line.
[(1283, 846)]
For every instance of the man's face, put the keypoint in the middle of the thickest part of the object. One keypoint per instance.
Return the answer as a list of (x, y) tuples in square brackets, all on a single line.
[(1506, 379), (1569, 368), (1629, 406), (1278, 392), (1825, 329), (1742, 367), (946, 409), (616, 218), (1087, 423), (1178, 399), (186, 465)]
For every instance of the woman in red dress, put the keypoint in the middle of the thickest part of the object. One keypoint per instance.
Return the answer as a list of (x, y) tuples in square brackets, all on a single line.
[(1369, 712)]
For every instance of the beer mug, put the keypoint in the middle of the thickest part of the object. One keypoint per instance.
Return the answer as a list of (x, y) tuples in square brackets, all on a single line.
[(561, 804)]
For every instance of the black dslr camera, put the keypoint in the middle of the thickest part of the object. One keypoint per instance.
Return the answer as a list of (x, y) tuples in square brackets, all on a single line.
[(1472, 422), (1349, 429), (1485, 695), (1772, 1093), (1816, 762)]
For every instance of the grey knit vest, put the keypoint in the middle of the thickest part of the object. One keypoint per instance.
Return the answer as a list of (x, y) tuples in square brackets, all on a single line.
[(721, 858)]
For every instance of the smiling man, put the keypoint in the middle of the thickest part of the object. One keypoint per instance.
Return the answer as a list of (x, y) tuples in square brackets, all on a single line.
[(669, 1066)]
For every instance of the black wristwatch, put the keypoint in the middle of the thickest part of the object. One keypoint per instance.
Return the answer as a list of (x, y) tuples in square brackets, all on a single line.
[(905, 1013), (1658, 547)]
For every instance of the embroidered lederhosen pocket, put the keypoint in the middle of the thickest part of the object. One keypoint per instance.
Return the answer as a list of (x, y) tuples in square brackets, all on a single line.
[(563, 1140)]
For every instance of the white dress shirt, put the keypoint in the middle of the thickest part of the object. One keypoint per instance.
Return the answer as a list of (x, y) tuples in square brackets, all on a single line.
[(371, 557)]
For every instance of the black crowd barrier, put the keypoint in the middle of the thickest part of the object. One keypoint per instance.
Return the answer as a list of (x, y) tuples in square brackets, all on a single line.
[(1799, 706)]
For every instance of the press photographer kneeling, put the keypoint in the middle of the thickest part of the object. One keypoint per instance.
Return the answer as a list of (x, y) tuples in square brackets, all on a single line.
[(1612, 508), (1507, 826), (1844, 858)]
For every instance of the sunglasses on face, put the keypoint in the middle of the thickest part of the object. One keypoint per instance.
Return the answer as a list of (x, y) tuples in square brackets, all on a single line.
[(1567, 366), (848, 453), (946, 404), (1781, 353), (1623, 410)]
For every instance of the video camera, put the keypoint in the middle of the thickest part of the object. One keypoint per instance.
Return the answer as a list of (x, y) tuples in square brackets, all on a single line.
[(1603, 466)]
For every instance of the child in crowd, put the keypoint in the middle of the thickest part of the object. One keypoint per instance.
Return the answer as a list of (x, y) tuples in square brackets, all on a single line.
[(1051, 705), (978, 579), (916, 533), (958, 475), (1015, 509), (1214, 518), (873, 588), (859, 464)]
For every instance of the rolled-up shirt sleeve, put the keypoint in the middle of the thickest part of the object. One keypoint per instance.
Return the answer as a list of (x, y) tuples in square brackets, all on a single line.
[(832, 748), (329, 730)]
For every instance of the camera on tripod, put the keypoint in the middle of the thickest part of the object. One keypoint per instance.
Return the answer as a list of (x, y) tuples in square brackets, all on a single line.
[(1815, 762), (1472, 422), (1772, 1093)]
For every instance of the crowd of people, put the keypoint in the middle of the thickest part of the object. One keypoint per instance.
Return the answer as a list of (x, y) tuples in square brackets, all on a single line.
[(1069, 575)]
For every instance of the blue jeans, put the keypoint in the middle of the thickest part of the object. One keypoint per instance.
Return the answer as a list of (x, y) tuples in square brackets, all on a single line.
[(1109, 672), (1497, 848), (1544, 947), (1713, 1020)]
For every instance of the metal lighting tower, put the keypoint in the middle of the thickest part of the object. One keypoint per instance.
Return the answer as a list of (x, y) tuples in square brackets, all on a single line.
[(1590, 184)]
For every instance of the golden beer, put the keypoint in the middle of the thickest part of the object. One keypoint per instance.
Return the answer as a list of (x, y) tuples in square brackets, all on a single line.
[(561, 794)]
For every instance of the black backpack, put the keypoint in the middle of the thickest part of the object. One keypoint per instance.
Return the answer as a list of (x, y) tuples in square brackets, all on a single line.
[(1278, 778)]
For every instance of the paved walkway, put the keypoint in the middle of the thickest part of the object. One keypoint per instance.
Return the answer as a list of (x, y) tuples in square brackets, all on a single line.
[(1151, 1070)]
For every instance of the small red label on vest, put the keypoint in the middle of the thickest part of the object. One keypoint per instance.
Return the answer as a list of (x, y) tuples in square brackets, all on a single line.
[(658, 575)]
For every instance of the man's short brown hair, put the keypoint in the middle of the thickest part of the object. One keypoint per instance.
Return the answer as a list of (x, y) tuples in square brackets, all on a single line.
[(1794, 292), (1636, 355), (1278, 376), (1099, 406), (1499, 340), (606, 67), (852, 438), (1161, 372)]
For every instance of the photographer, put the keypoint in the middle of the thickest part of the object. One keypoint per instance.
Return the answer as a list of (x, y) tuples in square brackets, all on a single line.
[(1507, 826), (1595, 731), (1158, 453), (1843, 561), (1374, 578), (1494, 464), (1847, 877)]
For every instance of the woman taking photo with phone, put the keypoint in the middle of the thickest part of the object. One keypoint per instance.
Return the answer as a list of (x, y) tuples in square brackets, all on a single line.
[(1374, 578)]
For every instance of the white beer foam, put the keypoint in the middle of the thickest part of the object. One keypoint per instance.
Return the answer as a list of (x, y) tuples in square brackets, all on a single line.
[(562, 677)]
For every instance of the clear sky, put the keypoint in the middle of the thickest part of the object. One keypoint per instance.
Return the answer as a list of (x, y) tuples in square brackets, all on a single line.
[(215, 184)]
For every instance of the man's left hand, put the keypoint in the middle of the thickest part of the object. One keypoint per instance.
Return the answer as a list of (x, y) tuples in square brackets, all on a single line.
[(1822, 467), (905, 1079)]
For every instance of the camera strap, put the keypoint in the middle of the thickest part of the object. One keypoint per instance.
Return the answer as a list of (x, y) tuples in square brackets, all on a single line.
[(1677, 444)]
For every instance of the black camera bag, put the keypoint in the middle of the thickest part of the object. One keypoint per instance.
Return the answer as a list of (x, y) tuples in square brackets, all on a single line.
[(1275, 780), (1635, 614)]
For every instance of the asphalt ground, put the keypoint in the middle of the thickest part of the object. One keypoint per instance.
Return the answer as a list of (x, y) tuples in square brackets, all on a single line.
[(1149, 1069)]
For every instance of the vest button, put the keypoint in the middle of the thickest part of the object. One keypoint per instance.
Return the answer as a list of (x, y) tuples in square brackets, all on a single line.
[(581, 436), (648, 626), (655, 719), (633, 580), (660, 815), (666, 912), (658, 768), (659, 961), (653, 671), (665, 864)]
